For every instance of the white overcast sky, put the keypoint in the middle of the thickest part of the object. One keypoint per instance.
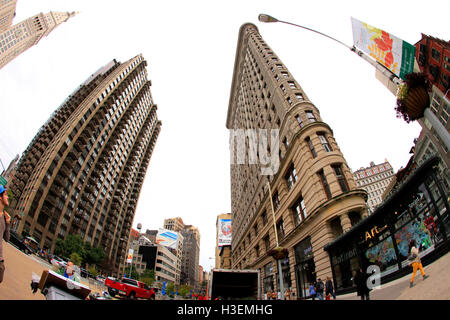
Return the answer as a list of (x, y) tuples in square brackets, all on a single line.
[(190, 48)]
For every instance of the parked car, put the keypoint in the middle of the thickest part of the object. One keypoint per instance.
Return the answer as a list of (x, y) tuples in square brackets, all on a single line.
[(31, 242), (84, 273), (100, 279), (129, 288), (57, 261), (16, 240)]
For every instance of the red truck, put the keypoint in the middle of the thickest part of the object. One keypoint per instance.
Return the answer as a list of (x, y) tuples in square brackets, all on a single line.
[(129, 288)]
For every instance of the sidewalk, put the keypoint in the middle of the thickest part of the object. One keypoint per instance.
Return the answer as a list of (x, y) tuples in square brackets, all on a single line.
[(436, 287)]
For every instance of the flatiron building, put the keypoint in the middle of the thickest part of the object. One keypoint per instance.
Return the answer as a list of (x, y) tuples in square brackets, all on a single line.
[(310, 186), (83, 171)]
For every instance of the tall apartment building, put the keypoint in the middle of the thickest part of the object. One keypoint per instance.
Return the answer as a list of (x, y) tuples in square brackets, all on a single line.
[(374, 179), (83, 171), (223, 249), (18, 38), (314, 195)]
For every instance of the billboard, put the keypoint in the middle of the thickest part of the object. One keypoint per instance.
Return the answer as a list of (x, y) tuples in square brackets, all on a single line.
[(224, 232), (393, 53), (167, 238)]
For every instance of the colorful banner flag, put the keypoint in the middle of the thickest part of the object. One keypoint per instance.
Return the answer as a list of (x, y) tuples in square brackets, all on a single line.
[(224, 232), (130, 256), (393, 53)]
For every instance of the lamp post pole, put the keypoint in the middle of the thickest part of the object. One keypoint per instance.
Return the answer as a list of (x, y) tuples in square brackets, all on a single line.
[(387, 73), (280, 273)]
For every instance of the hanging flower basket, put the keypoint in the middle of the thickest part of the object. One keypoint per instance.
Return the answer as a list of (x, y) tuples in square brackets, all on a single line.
[(278, 253), (412, 97)]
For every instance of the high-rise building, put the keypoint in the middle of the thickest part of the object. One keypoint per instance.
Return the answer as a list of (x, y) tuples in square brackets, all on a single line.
[(83, 171), (374, 180), (20, 37), (314, 195), (190, 273), (7, 13), (190, 260)]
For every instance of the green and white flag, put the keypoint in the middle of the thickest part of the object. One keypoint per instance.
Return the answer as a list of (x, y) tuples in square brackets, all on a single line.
[(395, 54)]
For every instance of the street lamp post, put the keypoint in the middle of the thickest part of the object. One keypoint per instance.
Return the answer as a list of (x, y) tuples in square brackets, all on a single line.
[(387, 73), (434, 121), (280, 273)]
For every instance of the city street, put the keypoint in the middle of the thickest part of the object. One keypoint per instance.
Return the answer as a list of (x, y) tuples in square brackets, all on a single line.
[(436, 287), (19, 269)]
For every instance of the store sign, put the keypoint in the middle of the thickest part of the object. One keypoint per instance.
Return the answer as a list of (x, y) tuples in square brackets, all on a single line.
[(344, 256), (374, 231)]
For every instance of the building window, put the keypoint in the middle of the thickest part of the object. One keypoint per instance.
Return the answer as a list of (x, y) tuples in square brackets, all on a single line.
[(324, 142), (325, 185), (340, 177), (310, 116), (267, 242), (292, 84), (311, 147), (264, 217), (299, 210), (291, 176), (435, 54), (299, 120), (299, 96), (275, 201), (280, 229)]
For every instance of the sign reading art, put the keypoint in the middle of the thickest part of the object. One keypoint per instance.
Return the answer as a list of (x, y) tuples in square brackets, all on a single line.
[(393, 53), (224, 236), (167, 238)]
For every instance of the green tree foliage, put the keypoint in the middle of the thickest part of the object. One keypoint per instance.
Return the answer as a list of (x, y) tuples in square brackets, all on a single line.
[(74, 244), (75, 258), (148, 277)]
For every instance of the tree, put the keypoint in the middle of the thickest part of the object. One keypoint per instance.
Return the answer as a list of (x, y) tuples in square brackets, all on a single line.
[(74, 244), (148, 277), (75, 258)]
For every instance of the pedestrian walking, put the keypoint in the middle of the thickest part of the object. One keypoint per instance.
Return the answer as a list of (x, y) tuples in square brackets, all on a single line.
[(287, 294), (274, 295), (360, 280), (415, 262), (319, 289), (329, 288), (5, 220), (312, 291)]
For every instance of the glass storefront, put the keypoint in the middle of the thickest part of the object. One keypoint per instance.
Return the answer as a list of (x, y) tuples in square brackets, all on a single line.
[(305, 268), (417, 211)]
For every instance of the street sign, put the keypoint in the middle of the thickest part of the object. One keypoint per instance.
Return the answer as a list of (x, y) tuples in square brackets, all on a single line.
[(3, 181)]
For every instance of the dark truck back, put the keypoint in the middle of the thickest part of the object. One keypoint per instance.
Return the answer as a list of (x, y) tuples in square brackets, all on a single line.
[(235, 285)]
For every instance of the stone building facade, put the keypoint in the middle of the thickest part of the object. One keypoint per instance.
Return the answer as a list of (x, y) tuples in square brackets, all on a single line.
[(16, 39), (312, 190), (374, 179)]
